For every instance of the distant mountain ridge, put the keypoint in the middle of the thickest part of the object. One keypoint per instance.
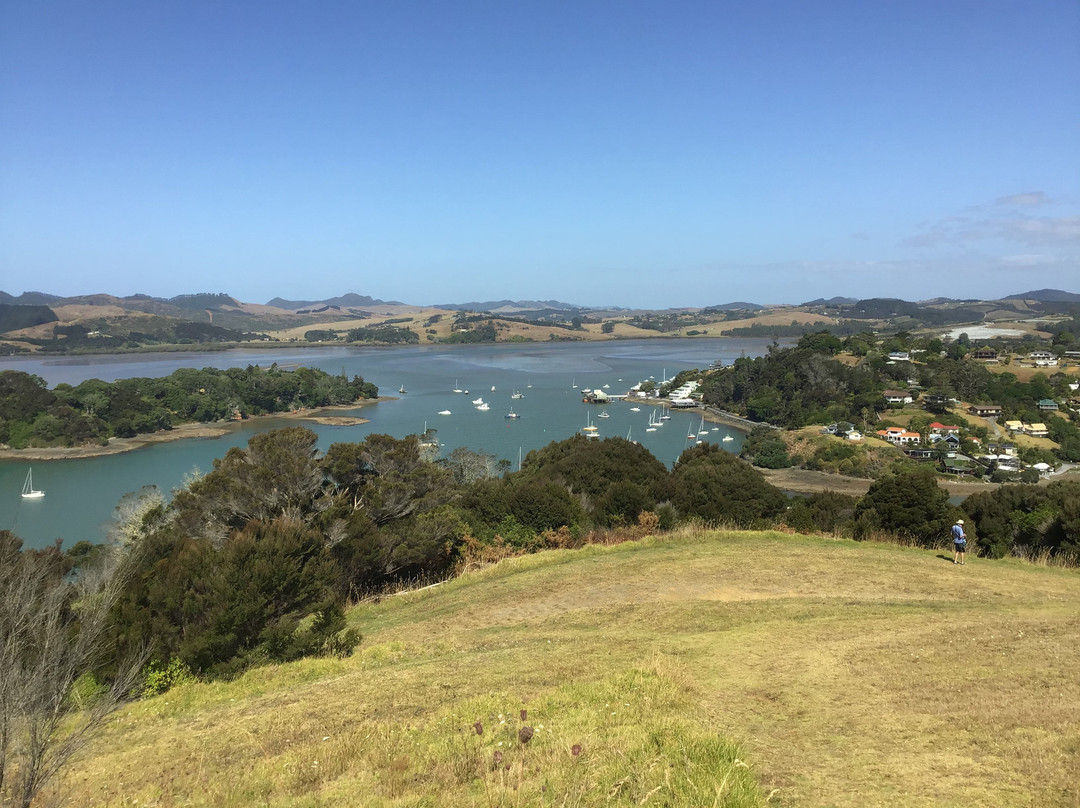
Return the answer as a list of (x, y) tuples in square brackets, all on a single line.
[(511, 306), (738, 305), (1046, 296), (346, 301), (832, 301)]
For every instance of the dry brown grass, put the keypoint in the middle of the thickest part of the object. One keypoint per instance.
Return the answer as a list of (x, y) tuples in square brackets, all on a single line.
[(786, 317), (851, 674), (1025, 373)]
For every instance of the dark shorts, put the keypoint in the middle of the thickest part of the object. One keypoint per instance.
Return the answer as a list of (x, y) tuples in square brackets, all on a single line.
[(960, 546)]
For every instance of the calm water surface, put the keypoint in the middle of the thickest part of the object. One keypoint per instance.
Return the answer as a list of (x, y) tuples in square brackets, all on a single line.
[(82, 494)]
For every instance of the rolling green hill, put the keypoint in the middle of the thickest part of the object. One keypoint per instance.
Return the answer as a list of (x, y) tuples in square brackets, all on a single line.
[(704, 668)]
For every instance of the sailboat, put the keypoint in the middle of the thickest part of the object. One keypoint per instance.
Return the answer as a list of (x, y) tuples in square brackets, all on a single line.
[(517, 394), (590, 430), (701, 429), (456, 389), (402, 390), (511, 414), (28, 491)]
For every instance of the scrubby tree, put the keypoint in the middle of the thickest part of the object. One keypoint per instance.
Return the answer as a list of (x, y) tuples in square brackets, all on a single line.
[(52, 636), (765, 448), (908, 503), (713, 485)]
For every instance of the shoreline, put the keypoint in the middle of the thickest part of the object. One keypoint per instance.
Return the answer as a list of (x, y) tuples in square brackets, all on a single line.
[(191, 431)]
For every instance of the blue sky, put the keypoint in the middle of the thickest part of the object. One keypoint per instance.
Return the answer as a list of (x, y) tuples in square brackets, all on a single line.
[(626, 153)]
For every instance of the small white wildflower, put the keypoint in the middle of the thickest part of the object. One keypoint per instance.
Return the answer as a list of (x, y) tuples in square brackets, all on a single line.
[(326, 737)]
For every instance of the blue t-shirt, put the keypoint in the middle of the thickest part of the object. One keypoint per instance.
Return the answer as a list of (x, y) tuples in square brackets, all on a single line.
[(958, 535)]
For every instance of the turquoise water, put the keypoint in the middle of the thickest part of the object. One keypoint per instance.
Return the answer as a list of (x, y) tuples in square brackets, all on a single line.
[(82, 494)]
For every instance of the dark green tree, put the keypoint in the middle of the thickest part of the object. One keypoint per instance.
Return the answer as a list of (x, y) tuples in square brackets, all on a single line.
[(908, 503), (711, 484)]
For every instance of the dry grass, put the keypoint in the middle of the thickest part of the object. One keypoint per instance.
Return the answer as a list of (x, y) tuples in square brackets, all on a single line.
[(848, 674), (1025, 373), (786, 317)]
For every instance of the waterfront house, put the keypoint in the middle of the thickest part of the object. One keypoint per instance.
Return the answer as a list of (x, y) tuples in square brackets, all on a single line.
[(936, 400), (921, 454), (958, 466), (985, 354), (898, 436), (937, 428), (952, 441)]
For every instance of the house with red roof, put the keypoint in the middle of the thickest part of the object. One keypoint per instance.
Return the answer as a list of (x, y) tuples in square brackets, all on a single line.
[(938, 428), (898, 436)]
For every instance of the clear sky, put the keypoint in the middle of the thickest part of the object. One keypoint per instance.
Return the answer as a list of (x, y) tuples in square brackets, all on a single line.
[(607, 152)]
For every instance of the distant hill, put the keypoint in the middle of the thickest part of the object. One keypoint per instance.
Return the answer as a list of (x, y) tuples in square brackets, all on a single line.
[(204, 300), (832, 301), (30, 299), (16, 316), (737, 306), (511, 306), (347, 301), (1046, 296)]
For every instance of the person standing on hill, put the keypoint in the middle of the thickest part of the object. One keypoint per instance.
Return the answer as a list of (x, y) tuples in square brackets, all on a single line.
[(959, 542)]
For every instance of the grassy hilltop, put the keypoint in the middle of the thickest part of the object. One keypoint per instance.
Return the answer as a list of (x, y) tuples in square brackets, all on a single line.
[(707, 668)]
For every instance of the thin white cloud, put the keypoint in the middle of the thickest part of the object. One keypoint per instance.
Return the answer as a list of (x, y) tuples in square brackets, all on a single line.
[(1005, 221), (1023, 200)]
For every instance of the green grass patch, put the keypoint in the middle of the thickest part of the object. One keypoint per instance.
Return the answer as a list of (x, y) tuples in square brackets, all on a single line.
[(709, 668)]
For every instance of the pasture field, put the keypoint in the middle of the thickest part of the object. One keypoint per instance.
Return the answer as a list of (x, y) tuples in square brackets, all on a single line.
[(700, 668)]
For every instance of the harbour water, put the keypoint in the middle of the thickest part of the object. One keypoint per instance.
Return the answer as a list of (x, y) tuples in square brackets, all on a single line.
[(81, 494)]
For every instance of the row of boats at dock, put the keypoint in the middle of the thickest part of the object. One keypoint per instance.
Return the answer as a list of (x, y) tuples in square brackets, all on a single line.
[(657, 417)]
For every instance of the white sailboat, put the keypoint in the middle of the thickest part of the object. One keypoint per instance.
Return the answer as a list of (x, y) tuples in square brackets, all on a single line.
[(589, 429), (456, 389), (28, 491), (701, 429)]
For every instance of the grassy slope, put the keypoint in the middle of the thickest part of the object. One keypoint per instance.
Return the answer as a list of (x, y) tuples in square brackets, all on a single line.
[(847, 674)]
